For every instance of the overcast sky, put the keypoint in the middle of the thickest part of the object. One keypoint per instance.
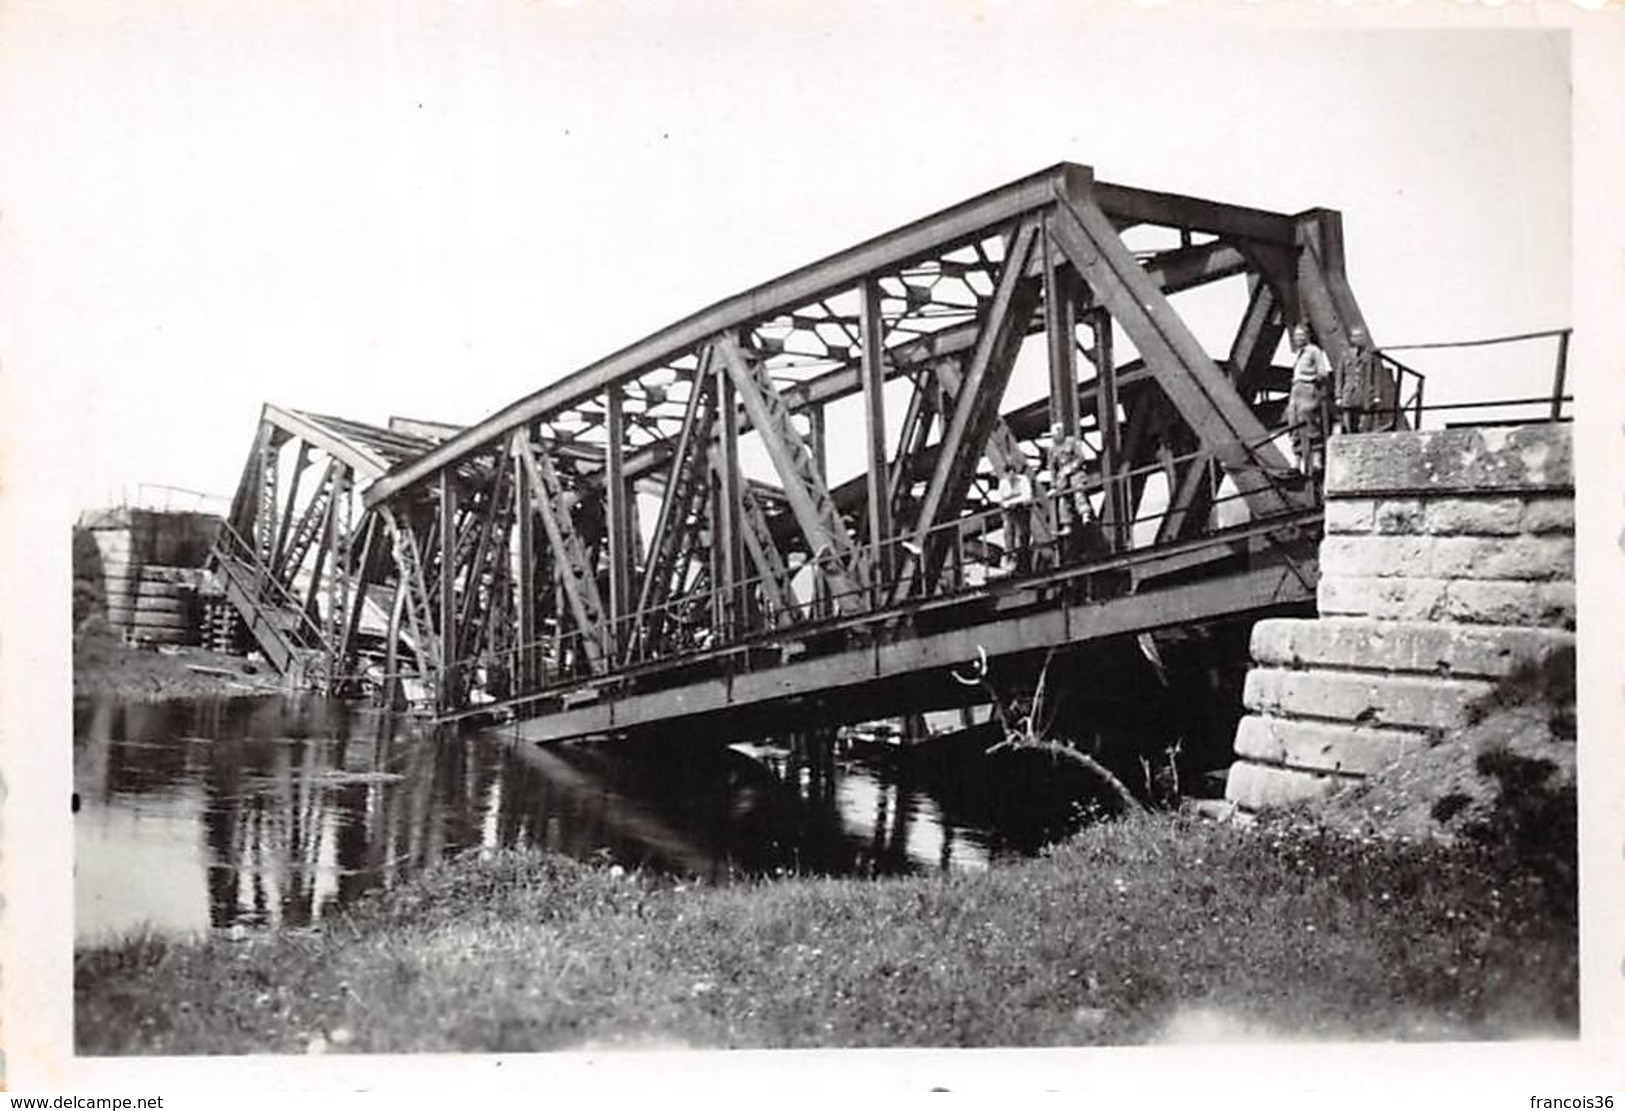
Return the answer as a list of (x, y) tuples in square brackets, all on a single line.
[(430, 209)]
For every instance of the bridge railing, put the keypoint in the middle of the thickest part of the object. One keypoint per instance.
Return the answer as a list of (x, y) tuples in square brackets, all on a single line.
[(1411, 404), (707, 621), (239, 559)]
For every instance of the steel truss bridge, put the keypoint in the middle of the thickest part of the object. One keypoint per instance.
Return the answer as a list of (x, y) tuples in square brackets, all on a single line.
[(661, 538)]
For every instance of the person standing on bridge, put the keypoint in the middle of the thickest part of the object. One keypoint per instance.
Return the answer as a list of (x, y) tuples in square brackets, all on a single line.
[(1356, 384), (1063, 469), (1015, 497), (1306, 403)]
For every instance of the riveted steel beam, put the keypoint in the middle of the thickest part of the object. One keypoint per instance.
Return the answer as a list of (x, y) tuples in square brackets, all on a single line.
[(529, 662), (1257, 339), (621, 539), (815, 512), (1198, 389), (873, 374), (574, 571), (301, 459), (976, 406), (682, 507)]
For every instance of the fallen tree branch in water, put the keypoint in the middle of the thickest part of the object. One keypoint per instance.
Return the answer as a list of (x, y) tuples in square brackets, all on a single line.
[(1030, 735)]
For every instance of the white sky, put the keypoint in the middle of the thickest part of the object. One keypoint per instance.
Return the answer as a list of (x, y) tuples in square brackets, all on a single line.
[(430, 209)]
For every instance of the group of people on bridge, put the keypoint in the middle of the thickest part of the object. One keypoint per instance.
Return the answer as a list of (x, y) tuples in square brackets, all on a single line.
[(1071, 515), (1354, 402), (1322, 400)]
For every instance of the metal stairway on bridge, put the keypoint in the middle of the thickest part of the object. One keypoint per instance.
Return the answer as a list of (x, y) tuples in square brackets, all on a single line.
[(287, 638)]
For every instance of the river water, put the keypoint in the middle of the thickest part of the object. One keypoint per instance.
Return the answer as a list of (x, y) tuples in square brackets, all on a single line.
[(243, 813)]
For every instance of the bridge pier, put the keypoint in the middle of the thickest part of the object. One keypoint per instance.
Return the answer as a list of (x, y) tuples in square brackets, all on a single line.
[(1448, 560)]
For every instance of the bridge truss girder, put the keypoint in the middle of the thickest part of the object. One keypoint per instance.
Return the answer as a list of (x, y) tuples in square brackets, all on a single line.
[(540, 583), (298, 545)]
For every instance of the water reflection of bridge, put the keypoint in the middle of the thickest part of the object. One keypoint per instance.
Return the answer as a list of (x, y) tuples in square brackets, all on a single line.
[(782, 510), (298, 806)]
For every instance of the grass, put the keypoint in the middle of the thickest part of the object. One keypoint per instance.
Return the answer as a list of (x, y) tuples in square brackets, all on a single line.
[(103, 666), (1114, 938)]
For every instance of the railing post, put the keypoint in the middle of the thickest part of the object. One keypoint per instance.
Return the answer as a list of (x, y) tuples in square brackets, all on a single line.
[(1559, 373)]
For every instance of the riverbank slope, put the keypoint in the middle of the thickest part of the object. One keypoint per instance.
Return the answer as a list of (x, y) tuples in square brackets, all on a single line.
[(103, 665)]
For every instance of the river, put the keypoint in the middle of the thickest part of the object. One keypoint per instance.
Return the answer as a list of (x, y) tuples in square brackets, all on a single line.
[(234, 814)]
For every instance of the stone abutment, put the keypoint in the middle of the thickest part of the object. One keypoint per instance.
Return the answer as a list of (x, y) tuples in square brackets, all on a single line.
[(1448, 560)]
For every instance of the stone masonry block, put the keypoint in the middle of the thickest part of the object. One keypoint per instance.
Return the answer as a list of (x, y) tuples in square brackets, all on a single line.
[(1495, 516), (1356, 515), (1415, 647), (1374, 556), (1548, 513), (1259, 786), (1529, 558), (1467, 601), (1549, 605), (1465, 460), (1399, 515), (1322, 746), (1402, 701), (1389, 598)]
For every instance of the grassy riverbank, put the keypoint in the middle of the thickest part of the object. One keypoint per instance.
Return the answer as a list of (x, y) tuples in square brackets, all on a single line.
[(1458, 921), (104, 666), (1150, 928)]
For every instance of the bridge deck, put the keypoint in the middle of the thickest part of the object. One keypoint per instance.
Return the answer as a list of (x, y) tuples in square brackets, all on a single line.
[(900, 659)]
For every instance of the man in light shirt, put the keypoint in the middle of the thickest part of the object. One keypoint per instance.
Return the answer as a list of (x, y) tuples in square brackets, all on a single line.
[(1015, 497), (1305, 405)]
